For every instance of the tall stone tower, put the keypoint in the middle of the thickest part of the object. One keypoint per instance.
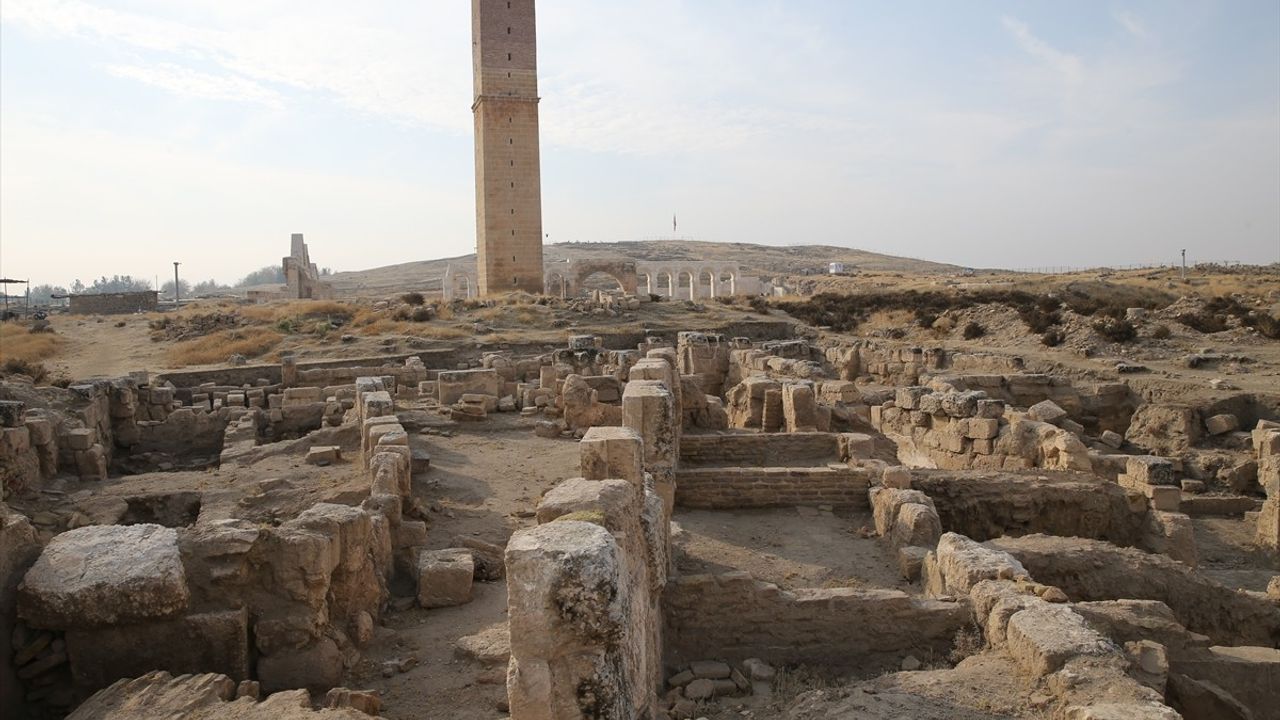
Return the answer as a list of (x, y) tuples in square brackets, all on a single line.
[(508, 174)]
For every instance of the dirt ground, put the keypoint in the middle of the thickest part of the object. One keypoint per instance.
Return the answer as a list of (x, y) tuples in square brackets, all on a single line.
[(484, 481), (790, 547)]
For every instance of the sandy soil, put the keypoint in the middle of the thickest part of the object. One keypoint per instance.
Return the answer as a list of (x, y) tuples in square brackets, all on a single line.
[(790, 547), (482, 479)]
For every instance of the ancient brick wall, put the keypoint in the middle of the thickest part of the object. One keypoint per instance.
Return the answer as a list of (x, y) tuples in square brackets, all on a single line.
[(759, 449), (725, 488), (114, 303), (733, 617)]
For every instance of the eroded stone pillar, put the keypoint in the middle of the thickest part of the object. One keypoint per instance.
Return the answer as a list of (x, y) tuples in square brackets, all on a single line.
[(649, 408), (613, 452), (567, 612)]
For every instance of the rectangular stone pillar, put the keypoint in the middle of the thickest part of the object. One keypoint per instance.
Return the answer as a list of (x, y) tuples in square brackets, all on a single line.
[(649, 409), (798, 408), (613, 452)]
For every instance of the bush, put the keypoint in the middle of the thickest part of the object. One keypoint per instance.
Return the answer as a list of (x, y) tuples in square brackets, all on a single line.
[(973, 331), (926, 320), (413, 298), (897, 333), (1161, 332), (421, 314), (1203, 322), (759, 304), (1053, 337), (21, 366), (1118, 331)]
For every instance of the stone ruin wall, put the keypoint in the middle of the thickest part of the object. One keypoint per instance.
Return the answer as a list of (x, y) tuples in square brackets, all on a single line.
[(114, 303), (595, 618)]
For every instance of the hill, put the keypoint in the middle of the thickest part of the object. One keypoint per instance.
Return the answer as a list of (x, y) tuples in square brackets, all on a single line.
[(761, 260)]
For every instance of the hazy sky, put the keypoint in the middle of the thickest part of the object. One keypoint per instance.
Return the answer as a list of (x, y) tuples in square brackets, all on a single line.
[(1013, 134)]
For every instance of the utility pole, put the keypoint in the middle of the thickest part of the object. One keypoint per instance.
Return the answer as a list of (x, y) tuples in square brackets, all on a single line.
[(177, 291), (1184, 265)]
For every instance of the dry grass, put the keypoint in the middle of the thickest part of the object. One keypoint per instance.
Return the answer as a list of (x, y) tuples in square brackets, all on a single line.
[(216, 348), (17, 342)]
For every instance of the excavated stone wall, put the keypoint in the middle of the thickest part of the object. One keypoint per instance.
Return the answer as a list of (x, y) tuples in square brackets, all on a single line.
[(733, 616)]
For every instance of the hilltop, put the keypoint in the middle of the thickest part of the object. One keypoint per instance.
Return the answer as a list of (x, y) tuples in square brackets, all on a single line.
[(761, 260)]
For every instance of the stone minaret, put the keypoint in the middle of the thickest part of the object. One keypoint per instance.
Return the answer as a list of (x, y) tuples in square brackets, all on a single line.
[(508, 176)]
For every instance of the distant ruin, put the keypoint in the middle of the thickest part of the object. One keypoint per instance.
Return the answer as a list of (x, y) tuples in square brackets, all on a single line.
[(302, 277)]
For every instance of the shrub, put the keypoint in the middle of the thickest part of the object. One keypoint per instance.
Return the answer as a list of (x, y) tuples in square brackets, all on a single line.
[(759, 304), (925, 320), (897, 333), (413, 298), (973, 331), (1203, 322), (21, 366), (1119, 331), (1161, 332), (421, 314), (1053, 337)]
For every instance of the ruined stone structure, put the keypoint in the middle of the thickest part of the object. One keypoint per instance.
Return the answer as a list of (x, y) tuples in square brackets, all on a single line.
[(114, 303), (302, 277), (508, 172), (1015, 514)]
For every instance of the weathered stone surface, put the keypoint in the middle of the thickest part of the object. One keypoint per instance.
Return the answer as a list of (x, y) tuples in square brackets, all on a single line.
[(161, 696), (960, 563), (491, 646), (1043, 637), (1047, 411), (445, 577), (316, 667), (104, 575), (204, 642), (1221, 424)]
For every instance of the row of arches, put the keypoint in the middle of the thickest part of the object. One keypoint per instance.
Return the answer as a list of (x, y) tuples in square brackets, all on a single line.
[(688, 282)]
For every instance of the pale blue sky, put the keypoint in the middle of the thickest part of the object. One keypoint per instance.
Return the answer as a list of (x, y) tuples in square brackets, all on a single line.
[(1014, 134)]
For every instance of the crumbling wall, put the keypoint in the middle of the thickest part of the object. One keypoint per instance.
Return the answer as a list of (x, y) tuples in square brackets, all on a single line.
[(1085, 674), (758, 450), (968, 430), (725, 488), (733, 616), (985, 505), (1266, 446), (1096, 570), (114, 303)]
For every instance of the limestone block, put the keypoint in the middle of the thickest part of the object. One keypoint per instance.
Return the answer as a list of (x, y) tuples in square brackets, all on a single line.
[(452, 385), (886, 502), (983, 428), (916, 524), (80, 439), (1047, 411), (910, 561), (896, 476), (11, 412), (856, 446), (1222, 424), (1042, 638), (103, 575), (959, 563), (612, 452), (323, 454), (1112, 439), (444, 577), (1268, 532), (1150, 470), (567, 613), (798, 408)]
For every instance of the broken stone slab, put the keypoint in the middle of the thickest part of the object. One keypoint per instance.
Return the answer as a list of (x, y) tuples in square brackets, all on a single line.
[(1043, 637), (1047, 411), (445, 577), (1222, 424), (491, 646), (960, 563), (1150, 470), (105, 575), (324, 455)]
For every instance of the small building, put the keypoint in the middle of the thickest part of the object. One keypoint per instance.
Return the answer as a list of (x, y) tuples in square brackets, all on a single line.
[(114, 303), (835, 268)]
